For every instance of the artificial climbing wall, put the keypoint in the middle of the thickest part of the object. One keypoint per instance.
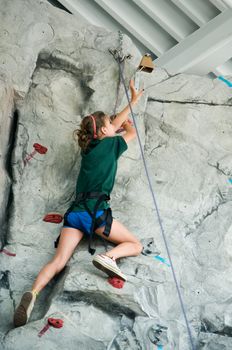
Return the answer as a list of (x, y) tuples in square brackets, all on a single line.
[(55, 69)]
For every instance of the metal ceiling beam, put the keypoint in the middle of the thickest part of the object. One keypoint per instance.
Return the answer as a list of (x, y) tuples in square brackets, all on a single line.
[(169, 17), (202, 51), (219, 4), (91, 12), (228, 3), (139, 24), (87, 9), (224, 69), (200, 11), (168, 29)]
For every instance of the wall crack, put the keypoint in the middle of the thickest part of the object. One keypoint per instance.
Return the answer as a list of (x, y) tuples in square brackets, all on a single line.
[(151, 99)]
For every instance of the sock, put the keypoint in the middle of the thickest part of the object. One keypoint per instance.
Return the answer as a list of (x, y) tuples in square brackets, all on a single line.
[(111, 257), (34, 291)]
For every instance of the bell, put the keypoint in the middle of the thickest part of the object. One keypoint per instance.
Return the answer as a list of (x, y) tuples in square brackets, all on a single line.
[(146, 64)]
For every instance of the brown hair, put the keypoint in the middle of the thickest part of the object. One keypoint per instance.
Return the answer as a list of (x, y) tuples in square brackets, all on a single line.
[(86, 131)]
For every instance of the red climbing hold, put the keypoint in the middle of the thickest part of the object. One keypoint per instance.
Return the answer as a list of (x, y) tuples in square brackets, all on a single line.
[(53, 217), (52, 322), (116, 282), (56, 322), (39, 148)]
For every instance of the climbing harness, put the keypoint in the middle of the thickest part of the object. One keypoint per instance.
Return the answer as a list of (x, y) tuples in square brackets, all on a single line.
[(106, 217), (119, 58)]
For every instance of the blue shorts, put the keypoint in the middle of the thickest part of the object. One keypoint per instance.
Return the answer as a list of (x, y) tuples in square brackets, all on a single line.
[(81, 220)]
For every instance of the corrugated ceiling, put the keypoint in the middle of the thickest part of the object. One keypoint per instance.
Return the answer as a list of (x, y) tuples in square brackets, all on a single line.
[(192, 36)]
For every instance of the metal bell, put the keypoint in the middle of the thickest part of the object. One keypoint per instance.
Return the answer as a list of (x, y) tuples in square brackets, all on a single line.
[(146, 64)]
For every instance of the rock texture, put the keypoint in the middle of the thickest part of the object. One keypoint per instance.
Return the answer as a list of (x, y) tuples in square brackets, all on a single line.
[(54, 69)]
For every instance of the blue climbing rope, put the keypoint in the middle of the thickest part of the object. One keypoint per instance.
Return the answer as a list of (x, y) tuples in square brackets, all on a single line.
[(157, 210)]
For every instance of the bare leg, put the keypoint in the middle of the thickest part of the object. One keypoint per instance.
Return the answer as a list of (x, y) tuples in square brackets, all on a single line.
[(127, 243), (69, 239)]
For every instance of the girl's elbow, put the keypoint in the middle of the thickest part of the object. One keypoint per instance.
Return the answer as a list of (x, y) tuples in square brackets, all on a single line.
[(134, 133)]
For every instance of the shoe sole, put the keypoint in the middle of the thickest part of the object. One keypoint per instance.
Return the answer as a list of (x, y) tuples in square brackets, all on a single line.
[(20, 316), (103, 267)]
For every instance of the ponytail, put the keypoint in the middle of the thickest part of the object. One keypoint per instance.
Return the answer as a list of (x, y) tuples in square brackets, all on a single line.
[(89, 129)]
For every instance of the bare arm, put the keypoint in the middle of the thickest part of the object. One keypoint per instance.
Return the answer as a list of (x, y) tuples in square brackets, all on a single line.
[(123, 115), (130, 133)]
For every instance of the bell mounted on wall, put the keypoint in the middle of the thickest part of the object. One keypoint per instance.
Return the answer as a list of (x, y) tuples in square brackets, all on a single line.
[(146, 64)]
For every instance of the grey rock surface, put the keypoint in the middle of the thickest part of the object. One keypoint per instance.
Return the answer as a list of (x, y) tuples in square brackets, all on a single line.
[(54, 69)]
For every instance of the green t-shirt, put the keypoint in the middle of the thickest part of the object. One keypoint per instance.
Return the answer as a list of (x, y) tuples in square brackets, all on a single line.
[(98, 168)]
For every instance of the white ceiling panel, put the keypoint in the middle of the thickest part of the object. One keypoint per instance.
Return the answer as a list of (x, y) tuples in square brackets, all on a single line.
[(175, 32)]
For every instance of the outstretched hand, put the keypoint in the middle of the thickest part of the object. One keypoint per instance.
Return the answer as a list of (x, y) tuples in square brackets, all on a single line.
[(122, 116), (135, 95)]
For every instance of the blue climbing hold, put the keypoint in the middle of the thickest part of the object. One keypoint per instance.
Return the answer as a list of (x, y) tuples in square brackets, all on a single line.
[(163, 260), (227, 82), (230, 180), (159, 347)]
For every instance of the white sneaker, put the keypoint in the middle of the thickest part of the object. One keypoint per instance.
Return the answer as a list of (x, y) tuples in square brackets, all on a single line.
[(108, 265), (24, 309)]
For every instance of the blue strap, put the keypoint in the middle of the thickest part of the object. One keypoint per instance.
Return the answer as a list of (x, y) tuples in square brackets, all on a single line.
[(227, 82), (163, 260)]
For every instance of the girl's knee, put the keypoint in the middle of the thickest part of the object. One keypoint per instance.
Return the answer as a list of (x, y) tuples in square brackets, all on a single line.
[(58, 264)]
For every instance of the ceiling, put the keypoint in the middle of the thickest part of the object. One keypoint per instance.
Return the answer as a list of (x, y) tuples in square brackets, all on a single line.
[(191, 36)]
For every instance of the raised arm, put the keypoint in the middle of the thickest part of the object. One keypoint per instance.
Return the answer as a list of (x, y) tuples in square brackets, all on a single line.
[(130, 131), (122, 116)]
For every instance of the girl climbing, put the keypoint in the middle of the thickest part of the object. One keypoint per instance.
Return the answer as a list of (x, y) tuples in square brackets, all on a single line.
[(90, 212)]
